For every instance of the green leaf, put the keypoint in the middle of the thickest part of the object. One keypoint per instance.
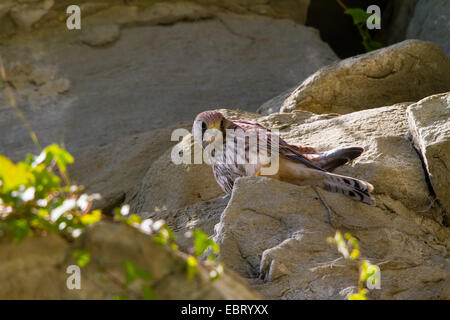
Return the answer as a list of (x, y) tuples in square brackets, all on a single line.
[(361, 295), (83, 257), (202, 242), (366, 270), (192, 267), (355, 254), (164, 235), (134, 218), (39, 221), (363, 271), (130, 272), (19, 229), (45, 181), (143, 274), (358, 15), (120, 297), (92, 217), (58, 154), (148, 293), (13, 176)]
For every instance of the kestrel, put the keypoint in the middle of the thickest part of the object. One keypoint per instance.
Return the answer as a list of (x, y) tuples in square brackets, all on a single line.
[(296, 164)]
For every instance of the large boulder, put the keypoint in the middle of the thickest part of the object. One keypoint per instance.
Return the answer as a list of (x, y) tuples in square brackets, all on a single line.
[(203, 215), (407, 71), (389, 161), (29, 269), (36, 268), (429, 120), (279, 243)]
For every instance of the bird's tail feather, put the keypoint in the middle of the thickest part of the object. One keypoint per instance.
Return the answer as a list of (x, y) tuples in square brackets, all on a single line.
[(353, 188), (299, 174), (332, 159)]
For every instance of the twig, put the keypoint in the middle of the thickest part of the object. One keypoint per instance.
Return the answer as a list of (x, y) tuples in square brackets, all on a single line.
[(342, 4), (13, 104)]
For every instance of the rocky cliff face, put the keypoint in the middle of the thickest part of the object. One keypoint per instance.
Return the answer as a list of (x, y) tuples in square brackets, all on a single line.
[(274, 234), (430, 131), (146, 65), (430, 23), (23, 15), (115, 91)]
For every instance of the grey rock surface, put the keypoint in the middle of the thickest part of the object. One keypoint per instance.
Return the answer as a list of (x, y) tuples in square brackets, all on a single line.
[(429, 121), (100, 35), (151, 77), (396, 18), (113, 169), (431, 23)]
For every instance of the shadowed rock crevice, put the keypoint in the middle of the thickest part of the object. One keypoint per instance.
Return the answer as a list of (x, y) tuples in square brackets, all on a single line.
[(429, 131)]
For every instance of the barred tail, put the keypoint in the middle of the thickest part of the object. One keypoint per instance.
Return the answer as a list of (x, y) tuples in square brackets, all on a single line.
[(353, 188), (299, 174)]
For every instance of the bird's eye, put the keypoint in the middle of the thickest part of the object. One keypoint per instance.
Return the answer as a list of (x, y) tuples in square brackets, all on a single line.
[(204, 127)]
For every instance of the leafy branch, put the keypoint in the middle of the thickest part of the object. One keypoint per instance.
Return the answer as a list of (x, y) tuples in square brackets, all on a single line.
[(359, 20), (348, 246), (204, 245)]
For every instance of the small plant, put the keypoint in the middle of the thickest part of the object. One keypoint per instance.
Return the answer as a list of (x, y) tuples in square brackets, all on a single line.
[(348, 246), (82, 257), (133, 274), (204, 245), (359, 20), (33, 198)]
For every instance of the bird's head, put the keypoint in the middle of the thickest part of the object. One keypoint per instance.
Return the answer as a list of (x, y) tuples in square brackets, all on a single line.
[(207, 126)]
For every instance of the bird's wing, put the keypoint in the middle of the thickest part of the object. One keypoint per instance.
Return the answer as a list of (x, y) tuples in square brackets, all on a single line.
[(306, 149), (249, 125), (294, 153), (332, 159)]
